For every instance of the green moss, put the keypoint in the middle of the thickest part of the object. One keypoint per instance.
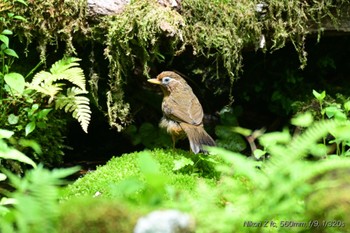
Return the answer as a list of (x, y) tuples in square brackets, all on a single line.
[(50, 22), (96, 215), (134, 38), (329, 202), (146, 34), (108, 179)]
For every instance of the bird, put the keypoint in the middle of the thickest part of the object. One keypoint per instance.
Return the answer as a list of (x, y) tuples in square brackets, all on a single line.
[(182, 111)]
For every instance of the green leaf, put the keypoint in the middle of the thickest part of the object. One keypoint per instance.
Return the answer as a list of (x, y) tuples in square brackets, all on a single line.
[(6, 32), (181, 163), (2, 176), (5, 133), (17, 155), (11, 53), (30, 127), (35, 107), (258, 153), (8, 201), (19, 18), (43, 113), (319, 150), (275, 138), (22, 1), (331, 111), (243, 131), (12, 119), (32, 144), (319, 96), (15, 81), (340, 116), (127, 187), (341, 132), (347, 106), (5, 40), (303, 120)]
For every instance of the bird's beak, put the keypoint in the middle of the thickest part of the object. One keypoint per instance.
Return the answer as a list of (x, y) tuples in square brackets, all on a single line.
[(154, 81)]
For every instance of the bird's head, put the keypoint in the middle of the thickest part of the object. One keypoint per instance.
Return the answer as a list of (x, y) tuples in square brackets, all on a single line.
[(169, 81)]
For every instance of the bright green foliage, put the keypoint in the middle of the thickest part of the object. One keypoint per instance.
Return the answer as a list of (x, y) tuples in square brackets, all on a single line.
[(129, 174), (275, 192), (26, 111), (276, 189), (51, 84), (327, 108), (284, 187), (7, 152), (35, 206), (23, 111)]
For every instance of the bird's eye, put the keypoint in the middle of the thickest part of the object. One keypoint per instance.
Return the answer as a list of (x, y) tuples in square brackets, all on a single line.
[(166, 80)]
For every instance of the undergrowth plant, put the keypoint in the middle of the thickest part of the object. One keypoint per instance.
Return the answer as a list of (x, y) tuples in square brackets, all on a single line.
[(31, 109), (274, 191), (30, 205), (9, 153), (241, 194), (323, 107), (33, 206), (27, 107), (51, 84)]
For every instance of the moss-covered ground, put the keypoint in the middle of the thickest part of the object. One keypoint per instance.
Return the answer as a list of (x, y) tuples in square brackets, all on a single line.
[(136, 166), (127, 187)]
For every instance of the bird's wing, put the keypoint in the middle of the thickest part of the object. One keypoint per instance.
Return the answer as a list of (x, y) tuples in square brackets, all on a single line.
[(183, 107)]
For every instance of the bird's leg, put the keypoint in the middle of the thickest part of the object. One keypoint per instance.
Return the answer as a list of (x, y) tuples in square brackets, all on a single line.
[(174, 140)]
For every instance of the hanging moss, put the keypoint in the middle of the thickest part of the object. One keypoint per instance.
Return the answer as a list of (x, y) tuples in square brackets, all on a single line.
[(146, 34), (134, 37), (49, 22)]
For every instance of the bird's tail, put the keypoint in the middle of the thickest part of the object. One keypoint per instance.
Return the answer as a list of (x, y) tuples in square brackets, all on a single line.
[(197, 137)]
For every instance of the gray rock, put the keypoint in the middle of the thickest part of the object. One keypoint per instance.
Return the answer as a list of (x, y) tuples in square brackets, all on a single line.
[(165, 221)]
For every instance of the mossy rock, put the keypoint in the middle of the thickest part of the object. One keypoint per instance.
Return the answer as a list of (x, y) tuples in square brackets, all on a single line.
[(136, 172), (96, 215), (330, 202)]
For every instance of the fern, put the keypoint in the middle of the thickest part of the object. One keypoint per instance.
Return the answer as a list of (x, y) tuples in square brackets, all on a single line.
[(279, 190), (35, 198), (51, 84), (67, 69), (79, 105)]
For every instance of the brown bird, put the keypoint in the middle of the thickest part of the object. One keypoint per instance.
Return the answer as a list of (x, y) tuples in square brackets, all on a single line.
[(182, 111)]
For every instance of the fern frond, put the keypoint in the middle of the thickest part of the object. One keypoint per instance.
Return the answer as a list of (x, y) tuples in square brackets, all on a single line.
[(39, 78), (83, 114), (35, 193), (47, 83), (67, 69), (301, 145), (64, 64), (47, 89), (77, 104)]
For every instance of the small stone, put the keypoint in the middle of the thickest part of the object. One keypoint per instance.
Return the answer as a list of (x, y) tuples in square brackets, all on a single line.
[(165, 221)]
